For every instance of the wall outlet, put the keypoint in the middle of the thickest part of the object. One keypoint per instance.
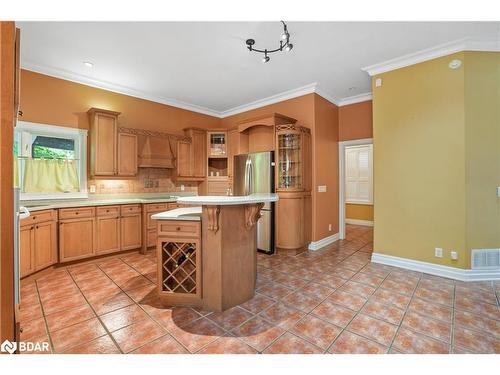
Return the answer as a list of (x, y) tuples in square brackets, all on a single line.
[(378, 82), (438, 252), (92, 188), (321, 188), (183, 187), (329, 227), (454, 255)]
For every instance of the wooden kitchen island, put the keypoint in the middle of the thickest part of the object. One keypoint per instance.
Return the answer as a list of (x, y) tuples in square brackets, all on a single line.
[(207, 254)]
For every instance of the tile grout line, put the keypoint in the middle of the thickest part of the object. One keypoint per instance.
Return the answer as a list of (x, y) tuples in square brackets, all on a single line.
[(44, 317)]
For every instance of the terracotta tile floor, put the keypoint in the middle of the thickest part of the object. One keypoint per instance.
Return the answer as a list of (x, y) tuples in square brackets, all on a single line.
[(329, 301)]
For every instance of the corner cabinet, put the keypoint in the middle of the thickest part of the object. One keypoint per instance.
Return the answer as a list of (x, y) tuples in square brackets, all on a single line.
[(293, 186)]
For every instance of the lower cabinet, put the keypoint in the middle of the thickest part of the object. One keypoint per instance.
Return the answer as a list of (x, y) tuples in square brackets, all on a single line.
[(77, 239), (130, 228), (38, 243), (149, 225), (293, 221), (108, 234)]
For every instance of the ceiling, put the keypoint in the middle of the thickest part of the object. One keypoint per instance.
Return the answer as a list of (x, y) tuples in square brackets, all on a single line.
[(206, 66)]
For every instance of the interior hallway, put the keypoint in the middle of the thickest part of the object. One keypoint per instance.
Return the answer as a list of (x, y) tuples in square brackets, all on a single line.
[(328, 301)]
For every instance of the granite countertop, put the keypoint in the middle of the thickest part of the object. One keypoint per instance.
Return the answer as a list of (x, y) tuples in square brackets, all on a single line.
[(101, 200), (224, 200), (186, 213)]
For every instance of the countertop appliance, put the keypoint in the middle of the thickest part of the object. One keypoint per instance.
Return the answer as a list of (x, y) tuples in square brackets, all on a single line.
[(254, 173)]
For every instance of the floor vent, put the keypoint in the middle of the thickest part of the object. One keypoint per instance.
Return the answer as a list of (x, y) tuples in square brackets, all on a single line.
[(485, 258)]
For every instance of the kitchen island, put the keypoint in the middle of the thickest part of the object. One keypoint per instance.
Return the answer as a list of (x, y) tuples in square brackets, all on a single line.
[(207, 254)]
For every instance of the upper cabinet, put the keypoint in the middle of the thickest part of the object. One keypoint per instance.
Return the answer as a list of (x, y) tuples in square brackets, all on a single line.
[(192, 156), (217, 144), (293, 149), (111, 153)]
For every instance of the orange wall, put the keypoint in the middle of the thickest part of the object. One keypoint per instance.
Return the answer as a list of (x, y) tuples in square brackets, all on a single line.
[(355, 121), (325, 168), (54, 101)]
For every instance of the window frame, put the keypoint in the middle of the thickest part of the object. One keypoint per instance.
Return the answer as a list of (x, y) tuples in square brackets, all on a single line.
[(368, 201), (80, 138)]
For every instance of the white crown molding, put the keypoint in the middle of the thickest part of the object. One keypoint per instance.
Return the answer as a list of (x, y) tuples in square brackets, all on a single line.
[(290, 94), (316, 245), (355, 99), (79, 78), (437, 269), (465, 44), (326, 96)]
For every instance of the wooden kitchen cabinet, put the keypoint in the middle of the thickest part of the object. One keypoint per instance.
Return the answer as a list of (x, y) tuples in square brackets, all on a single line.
[(127, 154), (192, 156), (149, 225), (26, 249), (292, 234), (232, 150), (77, 238), (45, 244), (103, 142), (130, 227), (38, 242), (108, 230)]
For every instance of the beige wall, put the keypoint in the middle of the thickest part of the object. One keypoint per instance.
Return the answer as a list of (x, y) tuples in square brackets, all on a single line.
[(436, 159), (482, 149)]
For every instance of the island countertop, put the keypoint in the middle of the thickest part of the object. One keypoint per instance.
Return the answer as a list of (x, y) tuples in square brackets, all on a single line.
[(213, 200), (185, 213)]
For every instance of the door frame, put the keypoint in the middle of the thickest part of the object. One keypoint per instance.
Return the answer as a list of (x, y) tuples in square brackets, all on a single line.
[(342, 147)]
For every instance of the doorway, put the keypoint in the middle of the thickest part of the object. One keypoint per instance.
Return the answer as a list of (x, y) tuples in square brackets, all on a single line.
[(355, 184)]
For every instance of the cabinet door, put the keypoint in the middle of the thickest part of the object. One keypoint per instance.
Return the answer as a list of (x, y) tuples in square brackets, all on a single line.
[(104, 144), (130, 232), (184, 158), (199, 153), (127, 154), (26, 250), (76, 239), (45, 244), (306, 161), (290, 221), (108, 234)]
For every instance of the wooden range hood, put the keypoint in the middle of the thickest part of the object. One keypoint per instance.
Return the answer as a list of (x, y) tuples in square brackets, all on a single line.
[(155, 152)]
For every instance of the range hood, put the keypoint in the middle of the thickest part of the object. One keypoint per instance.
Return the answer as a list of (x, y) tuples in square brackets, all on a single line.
[(155, 152)]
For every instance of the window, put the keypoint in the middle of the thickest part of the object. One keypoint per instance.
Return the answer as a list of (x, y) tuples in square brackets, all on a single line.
[(50, 161), (359, 174)]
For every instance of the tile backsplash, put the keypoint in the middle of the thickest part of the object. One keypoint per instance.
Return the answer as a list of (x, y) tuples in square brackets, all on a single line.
[(148, 180)]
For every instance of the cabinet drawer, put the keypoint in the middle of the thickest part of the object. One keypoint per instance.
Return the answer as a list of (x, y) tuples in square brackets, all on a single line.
[(108, 211), (178, 228), (75, 213), (127, 209), (40, 217), (156, 207)]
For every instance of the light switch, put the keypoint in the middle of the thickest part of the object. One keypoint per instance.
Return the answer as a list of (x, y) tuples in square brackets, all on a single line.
[(498, 191), (378, 82), (321, 188)]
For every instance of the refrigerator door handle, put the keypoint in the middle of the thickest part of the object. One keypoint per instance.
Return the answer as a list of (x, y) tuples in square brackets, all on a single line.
[(250, 177)]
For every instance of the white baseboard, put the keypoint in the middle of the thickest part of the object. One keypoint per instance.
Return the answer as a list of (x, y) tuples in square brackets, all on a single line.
[(366, 223), (316, 245), (437, 269)]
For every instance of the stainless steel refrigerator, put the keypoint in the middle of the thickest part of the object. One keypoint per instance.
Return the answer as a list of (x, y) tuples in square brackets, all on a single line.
[(254, 173)]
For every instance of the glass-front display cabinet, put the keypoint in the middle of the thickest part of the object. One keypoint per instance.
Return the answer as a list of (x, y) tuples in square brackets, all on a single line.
[(292, 166), (217, 144)]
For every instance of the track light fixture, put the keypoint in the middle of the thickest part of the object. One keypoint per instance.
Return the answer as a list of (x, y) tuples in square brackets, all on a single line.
[(284, 45)]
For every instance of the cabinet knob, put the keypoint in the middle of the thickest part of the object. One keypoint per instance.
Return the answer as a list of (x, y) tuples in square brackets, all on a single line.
[(76, 213), (178, 228), (36, 227)]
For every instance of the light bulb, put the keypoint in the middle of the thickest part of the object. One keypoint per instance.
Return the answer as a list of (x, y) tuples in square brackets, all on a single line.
[(284, 36), (289, 47), (88, 64), (265, 59)]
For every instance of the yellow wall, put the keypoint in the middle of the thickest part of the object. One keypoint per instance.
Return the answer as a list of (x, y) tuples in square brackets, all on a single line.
[(419, 159), (482, 148), (437, 159), (359, 211)]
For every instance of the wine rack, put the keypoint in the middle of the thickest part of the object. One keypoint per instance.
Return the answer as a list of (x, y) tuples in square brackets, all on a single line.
[(180, 267)]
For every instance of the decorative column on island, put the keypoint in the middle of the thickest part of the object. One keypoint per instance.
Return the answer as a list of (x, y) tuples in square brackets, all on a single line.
[(207, 256)]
